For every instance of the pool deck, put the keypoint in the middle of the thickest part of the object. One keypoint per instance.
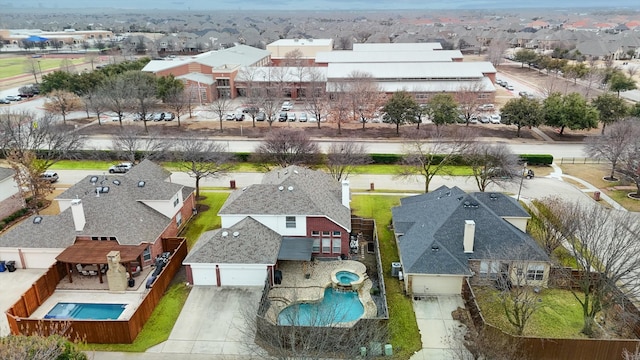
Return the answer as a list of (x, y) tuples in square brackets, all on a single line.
[(296, 288)]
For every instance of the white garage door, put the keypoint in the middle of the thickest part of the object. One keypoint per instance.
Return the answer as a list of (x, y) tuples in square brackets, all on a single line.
[(436, 285), (203, 275), (252, 275)]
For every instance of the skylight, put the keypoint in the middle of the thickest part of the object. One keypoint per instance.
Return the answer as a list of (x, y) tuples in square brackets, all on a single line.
[(140, 183), (37, 219)]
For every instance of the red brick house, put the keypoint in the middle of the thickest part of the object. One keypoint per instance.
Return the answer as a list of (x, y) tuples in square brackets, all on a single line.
[(294, 214)]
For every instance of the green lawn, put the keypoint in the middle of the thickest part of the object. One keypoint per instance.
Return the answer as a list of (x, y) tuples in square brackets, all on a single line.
[(403, 328), (560, 315), (159, 326), (17, 65)]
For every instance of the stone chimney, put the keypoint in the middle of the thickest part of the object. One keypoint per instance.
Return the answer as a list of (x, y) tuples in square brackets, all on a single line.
[(346, 194), (469, 235), (77, 212)]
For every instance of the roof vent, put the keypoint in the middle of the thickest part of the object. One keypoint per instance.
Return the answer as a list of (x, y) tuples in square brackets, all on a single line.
[(493, 196), (290, 188), (280, 187), (236, 234), (435, 248), (245, 188), (98, 190), (116, 182), (140, 183), (467, 203), (286, 172), (104, 189), (37, 219), (94, 179), (295, 172), (460, 198), (225, 233)]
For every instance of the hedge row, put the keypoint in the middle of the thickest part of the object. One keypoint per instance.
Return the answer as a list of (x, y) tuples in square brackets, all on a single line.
[(109, 155)]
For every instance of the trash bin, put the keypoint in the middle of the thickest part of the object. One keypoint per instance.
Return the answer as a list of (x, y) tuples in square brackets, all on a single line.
[(2, 266), (11, 266), (596, 195), (232, 184), (132, 282)]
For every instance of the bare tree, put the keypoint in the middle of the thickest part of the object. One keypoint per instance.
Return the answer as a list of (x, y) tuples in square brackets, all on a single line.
[(364, 94), (32, 66), (220, 106), (296, 60), (427, 153), (249, 76), (67, 66), (94, 102), (631, 355), (604, 244), (545, 222), (130, 143), (518, 295), (285, 147), (201, 158), (492, 164), (35, 347), (630, 163), (342, 158), (31, 145), (614, 144), (62, 103), (339, 103), (468, 100), (178, 101), (143, 93), (316, 101), (117, 96), (495, 51)]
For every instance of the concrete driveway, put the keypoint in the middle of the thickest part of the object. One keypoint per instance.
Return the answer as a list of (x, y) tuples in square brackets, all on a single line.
[(212, 322), (13, 285)]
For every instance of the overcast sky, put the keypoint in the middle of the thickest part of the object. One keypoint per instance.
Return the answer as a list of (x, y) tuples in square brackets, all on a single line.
[(315, 4)]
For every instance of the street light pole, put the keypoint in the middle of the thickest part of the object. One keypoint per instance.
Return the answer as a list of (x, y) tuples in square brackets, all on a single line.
[(39, 68), (524, 168)]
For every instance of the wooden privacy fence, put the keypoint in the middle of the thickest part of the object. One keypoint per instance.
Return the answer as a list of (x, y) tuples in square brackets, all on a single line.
[(93, 331), (548, 348)]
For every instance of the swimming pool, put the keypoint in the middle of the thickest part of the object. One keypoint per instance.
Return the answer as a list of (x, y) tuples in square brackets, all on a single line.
[(346, 277), (336, 307), (85, 311)]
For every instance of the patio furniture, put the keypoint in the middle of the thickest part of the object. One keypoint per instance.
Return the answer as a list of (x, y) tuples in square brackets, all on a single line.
[(81, 270)]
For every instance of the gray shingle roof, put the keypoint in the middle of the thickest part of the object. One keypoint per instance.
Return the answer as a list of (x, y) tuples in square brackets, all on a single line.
[(254, 244), (120, 213), (432, 225), (292, 191)]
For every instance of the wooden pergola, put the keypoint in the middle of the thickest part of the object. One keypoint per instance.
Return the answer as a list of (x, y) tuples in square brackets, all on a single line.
[(95, 253)]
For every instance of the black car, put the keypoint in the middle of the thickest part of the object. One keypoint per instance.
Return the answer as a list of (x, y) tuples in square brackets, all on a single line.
[(282, 117)]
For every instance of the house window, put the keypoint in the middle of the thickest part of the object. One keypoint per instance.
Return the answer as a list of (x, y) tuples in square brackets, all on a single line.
[(535, 272), (146, 254), (336, 234), (316, 245), (326, 233), (315, 233), (179, 219), (337, 246), (326, 245), (291, 222), (175, 203), (489, 269)]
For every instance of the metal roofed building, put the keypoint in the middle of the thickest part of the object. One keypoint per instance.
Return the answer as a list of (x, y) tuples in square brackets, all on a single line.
[(348, 56), (410, 47)]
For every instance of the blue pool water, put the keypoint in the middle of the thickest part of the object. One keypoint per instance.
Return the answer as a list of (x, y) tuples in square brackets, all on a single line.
[(346, 277), (336, 307), (84, 311)]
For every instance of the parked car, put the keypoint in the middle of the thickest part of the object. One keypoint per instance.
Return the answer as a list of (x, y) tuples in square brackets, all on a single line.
[(120, 168), (230, 117), (168, 116), (303, 117), (473, 120), (158, 117), (499, 82), (484, 119), (282, 117), (291, 116), (14, 98), (510, 87), (261, 116), (495, 118), (486, 107), (287, 105), (250, 109), (50, 176), (4, 101), (239, 117)]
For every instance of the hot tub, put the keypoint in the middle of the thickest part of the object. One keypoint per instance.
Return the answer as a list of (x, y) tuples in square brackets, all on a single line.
[(343, 279)]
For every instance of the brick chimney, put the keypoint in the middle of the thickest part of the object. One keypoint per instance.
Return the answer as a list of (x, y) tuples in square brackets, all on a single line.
[(77, 212), (469, 235)]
